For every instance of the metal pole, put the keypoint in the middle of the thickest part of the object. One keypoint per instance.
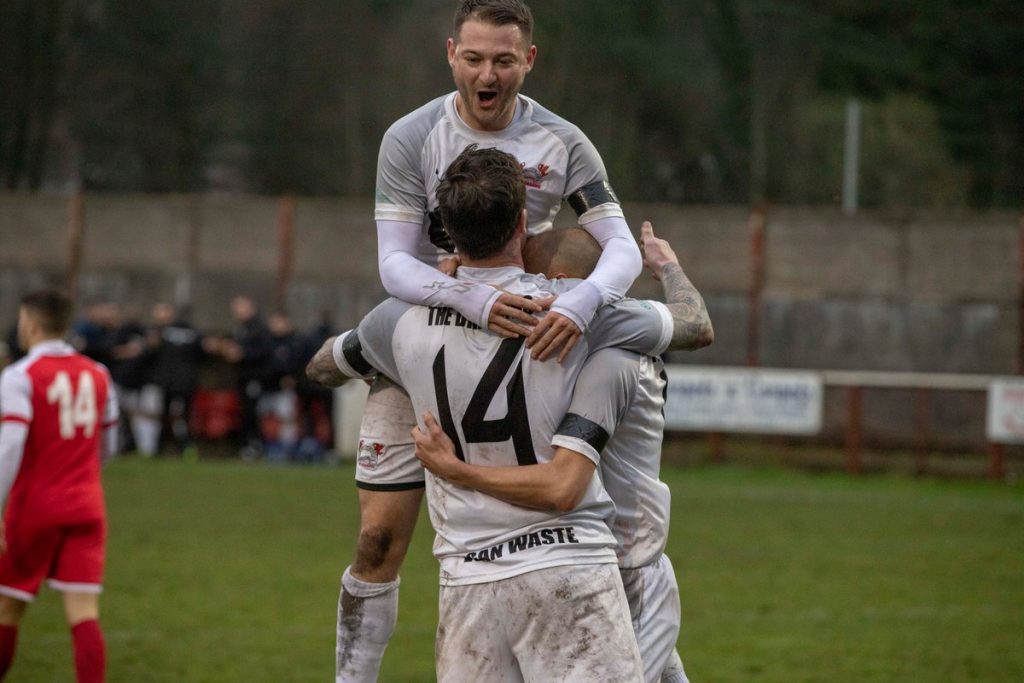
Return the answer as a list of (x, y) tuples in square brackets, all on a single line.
[(756, 227), (1020, 299), (76, 233), (851, 157), (285, 249), (997, 461), (923, 410), (854, 397)]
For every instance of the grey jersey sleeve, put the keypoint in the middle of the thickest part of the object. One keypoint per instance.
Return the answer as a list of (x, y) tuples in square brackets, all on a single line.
[(603, 392), (633, 324), (367, 350), (585, 167), (401, 188)]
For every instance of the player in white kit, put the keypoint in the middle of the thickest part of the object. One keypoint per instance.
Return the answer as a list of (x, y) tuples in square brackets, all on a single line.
[(501, 407), (615, 419), (490, 53)]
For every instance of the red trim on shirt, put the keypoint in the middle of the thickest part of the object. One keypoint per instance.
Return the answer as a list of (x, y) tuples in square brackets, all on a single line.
[(16, 418)]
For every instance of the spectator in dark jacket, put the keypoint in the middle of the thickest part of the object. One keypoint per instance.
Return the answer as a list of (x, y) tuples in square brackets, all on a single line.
[(177, 350), (279, 402), (249, 349)]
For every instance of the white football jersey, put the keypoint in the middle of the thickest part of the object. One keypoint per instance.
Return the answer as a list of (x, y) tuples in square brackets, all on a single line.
[(557, 158), (501, 408), (622, 394)]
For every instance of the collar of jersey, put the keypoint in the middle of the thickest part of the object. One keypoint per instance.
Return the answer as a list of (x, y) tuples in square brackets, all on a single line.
[(489, 276), (51, 347), (524, 113)]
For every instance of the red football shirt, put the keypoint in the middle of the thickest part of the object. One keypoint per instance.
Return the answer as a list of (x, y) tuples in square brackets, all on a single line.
[(66, 400)]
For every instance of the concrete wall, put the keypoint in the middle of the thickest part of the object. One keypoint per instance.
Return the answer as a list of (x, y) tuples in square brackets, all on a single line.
[(917, 291)]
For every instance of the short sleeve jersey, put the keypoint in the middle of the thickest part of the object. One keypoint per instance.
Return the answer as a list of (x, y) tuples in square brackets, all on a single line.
[(501, 408), (557, 159), (66, 400), (622, 394)]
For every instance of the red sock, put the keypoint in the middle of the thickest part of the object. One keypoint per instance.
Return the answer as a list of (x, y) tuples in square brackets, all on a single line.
[(90, 652), (8, 641)]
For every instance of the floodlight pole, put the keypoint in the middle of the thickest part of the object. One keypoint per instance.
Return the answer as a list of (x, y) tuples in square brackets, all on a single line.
[(851, 157)]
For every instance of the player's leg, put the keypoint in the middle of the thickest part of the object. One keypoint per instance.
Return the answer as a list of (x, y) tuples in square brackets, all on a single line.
[(11, 611), (572, 624), (78, 575), (653, 596), (390, 481), (83, 615), (471, 643), (368, 601), (30, 552)]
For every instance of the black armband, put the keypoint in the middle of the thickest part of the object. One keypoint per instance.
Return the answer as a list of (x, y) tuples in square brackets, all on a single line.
[(578, 427), (352, 349), (589, 196)]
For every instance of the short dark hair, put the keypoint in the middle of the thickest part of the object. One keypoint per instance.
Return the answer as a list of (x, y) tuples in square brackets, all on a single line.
[(51, 308), (480, 199), (496, 12)]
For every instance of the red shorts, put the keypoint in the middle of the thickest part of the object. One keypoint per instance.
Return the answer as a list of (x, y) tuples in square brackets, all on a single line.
[(70, 557)]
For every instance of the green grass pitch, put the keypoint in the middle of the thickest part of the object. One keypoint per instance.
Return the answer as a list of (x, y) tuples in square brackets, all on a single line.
[(222, 572)]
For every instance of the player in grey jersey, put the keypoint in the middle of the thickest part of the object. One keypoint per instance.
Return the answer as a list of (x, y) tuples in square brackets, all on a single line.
[(615, 419), (501, 407), (490, 53)]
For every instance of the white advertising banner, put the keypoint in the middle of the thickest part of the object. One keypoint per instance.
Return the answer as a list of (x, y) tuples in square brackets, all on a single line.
[(1005, 423), (716, 399)]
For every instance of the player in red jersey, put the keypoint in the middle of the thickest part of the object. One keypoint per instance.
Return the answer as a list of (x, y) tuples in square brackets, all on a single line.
[(58, 413)]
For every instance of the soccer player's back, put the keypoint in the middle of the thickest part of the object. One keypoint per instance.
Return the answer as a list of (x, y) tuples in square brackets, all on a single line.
[(57, 413)]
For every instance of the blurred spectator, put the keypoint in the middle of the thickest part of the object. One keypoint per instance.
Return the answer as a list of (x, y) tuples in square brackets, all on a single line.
[(14, 350), (93, 334), (279, 405), (249, 349), (177, 350), (315, 400), (130, 364)]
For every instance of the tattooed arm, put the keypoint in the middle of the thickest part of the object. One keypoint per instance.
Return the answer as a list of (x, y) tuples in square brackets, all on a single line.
[(692, 324)]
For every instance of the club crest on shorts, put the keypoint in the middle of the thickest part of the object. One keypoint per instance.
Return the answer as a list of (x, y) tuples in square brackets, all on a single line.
[(370, 453)]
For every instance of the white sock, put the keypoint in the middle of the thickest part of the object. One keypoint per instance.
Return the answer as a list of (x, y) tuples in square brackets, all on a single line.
[(367, 613), (674, 672)]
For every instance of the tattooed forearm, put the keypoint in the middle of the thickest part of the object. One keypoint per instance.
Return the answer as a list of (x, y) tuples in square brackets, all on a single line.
[(322, 368), (689, 314)]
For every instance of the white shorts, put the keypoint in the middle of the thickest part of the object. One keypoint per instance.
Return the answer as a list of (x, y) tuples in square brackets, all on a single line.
[(653, 596), (564, 624), (386, 456)]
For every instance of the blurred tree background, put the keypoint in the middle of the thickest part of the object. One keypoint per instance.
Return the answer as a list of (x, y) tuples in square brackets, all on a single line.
[(717, 101)]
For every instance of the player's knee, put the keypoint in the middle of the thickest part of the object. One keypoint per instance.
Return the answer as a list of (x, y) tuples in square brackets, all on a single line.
[(11, 610), (375, 550)]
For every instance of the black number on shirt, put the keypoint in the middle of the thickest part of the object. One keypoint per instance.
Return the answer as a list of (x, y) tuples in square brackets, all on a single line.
[(516, 423)]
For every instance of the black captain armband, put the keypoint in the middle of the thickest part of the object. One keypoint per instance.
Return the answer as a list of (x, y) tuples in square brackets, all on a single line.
[(587, 197), (352, 349), (581, 428)]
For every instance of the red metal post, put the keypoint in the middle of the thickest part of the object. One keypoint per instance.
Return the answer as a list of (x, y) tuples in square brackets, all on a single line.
[(997, 461), (717, 442), (756, 225), (285, 249), (854, 396), (923, 411), (1020, 299), (76, 235)]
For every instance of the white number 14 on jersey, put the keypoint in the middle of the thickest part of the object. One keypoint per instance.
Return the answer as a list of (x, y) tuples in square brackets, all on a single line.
[(76, 407)]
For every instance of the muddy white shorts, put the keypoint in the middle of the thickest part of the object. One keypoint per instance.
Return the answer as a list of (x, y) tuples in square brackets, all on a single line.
[(565, 624), (386, 456), (653, 596)]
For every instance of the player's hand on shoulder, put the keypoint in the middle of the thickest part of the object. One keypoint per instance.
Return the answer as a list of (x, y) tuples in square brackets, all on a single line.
[(433, 447), (450, 265), (513, 316), (656, 251), (555, 334)]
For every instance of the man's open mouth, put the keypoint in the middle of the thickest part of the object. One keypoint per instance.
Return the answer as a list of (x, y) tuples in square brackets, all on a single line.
[(486, 96)]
